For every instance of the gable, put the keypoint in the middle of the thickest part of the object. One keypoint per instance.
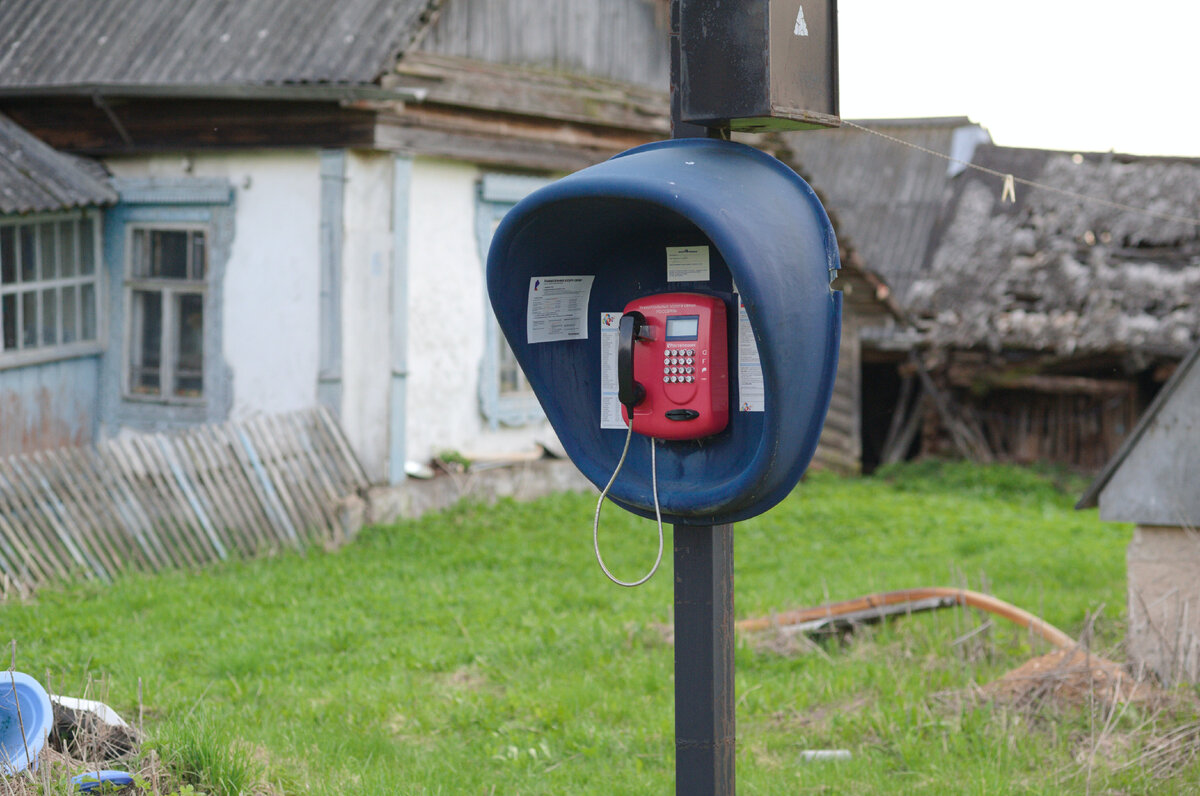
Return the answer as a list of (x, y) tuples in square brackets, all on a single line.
[(1152, 479)]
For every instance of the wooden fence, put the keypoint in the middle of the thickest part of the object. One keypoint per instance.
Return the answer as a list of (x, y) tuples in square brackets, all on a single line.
[(182, 499)]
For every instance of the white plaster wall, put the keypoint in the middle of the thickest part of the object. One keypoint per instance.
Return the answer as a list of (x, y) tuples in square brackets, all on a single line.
[(366, 307), (272, 279), (272, 287), (446, 321)]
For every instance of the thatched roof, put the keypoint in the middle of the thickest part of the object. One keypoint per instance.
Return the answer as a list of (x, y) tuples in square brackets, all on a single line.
[(1057, 274)]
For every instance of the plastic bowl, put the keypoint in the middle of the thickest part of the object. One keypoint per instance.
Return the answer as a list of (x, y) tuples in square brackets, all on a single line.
[(36, 717)]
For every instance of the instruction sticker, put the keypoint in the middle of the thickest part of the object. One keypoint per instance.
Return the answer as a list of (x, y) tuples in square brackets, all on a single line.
[(610, 337), (557, 308), (687, 263), (751, 392)]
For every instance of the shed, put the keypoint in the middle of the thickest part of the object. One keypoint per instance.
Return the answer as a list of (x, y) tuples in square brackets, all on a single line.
[(1052, 320), (1151, 481)]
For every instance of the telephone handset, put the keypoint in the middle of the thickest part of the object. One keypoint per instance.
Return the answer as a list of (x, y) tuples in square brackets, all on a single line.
[(672, 366)]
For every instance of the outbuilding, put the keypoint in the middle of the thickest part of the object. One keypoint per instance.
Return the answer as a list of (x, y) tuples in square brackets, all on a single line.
[(1151, 481)]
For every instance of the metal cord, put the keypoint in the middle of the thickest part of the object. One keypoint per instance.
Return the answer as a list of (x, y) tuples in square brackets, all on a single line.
[(657, 515)]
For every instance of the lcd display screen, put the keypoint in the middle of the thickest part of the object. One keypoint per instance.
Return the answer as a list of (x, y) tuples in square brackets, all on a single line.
[(683, 327)]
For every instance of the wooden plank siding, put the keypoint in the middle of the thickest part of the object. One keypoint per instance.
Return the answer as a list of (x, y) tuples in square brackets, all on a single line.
[(620, 40), (184, 499), (840, 448)]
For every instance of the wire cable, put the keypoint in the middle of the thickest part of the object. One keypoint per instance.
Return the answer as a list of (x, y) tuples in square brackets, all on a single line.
[(657, 515), (1009, 179)]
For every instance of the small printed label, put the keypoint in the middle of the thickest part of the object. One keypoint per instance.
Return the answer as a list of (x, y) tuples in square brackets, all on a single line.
[(557, 308), (687, 263), (610, 405), (751, 391)]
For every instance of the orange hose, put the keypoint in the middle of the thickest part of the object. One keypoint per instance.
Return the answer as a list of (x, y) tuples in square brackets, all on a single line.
[(974, 599)]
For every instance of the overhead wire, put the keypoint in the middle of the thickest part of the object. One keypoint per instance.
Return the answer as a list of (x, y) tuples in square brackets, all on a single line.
[(1010, 179)]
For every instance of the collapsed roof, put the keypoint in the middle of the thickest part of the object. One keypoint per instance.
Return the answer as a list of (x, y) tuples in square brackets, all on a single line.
[(1054, 272)]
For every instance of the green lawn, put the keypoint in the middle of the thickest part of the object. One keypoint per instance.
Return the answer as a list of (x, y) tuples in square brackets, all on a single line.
[(481, 651)]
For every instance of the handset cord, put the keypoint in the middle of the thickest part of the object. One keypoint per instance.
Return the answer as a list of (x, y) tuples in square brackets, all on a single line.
[(657, 514)]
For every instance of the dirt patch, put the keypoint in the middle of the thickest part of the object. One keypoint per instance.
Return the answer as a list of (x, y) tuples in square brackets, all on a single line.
[(1071, 677)]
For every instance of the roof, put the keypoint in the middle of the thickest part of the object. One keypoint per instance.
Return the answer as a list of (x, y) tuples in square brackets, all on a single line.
[(47, 44), (1149, 420), (887, 198), (1054, 273), (35, 178)]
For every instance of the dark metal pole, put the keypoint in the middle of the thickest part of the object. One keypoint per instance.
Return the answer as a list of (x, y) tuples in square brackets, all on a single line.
[(705, 737), (705, 733)]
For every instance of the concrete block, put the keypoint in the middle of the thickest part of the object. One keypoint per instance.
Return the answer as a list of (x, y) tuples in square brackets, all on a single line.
[(1164, 602)]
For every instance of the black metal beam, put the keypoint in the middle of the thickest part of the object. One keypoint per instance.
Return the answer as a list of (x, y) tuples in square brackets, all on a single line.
[(705, 737), (705, 727)]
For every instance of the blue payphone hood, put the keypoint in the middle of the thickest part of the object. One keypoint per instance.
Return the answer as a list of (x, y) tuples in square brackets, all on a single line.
[(767, 234)]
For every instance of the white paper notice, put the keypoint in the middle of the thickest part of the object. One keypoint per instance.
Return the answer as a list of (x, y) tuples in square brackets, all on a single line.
[(557, 308), (610, 337), (687, 263), (751, 393)]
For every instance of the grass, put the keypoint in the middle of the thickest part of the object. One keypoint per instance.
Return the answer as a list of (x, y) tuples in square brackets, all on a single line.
[(480, 651)]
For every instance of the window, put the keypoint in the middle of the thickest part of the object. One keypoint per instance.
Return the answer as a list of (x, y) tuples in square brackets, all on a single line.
[(505, 396), (49, 287), (165, 288)]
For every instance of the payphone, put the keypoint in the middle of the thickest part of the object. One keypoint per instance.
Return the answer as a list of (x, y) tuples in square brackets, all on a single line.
[(607, 282), (675, 344)]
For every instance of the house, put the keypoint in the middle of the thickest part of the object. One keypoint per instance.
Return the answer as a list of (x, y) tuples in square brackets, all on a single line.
[(298, 199), (50, 286), (299, 205), (1051, 321), (1151, 481)]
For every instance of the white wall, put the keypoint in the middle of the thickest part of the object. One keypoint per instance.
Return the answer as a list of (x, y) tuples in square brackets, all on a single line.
[(446, 320), (272, 286), (272, 281)]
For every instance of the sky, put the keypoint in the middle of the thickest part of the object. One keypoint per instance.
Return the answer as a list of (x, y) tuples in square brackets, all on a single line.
[(1052, 74)]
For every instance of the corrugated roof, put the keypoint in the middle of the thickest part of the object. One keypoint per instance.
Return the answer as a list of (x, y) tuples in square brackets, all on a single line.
[(35, 178), (887, 198), (54, 43), (1057, 274)]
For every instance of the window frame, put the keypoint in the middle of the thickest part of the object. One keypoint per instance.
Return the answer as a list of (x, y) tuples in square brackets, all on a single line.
[(497, 194), (170, 289), (42, 353)]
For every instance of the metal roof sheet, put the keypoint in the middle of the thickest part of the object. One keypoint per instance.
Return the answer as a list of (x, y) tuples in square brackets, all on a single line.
[(48, 43), (35, 178), (887, 197)]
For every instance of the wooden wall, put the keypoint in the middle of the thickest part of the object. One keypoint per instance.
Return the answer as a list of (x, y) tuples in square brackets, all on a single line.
[(840, 448), (47, 405), (623, 40)]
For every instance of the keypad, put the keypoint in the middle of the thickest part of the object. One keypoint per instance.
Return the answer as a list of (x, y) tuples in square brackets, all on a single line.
[(678, 366)]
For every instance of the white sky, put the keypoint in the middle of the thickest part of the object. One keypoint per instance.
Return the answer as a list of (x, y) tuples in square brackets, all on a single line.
[(1053, 74)]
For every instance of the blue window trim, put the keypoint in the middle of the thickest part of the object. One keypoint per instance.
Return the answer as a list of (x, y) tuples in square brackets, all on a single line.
[(497, 195), (202, 202)]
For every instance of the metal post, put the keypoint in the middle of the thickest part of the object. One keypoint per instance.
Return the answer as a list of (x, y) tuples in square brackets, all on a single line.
[(705, 735)]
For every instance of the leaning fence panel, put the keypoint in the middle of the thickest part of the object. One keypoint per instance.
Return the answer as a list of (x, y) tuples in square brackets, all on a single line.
[(179, 499)]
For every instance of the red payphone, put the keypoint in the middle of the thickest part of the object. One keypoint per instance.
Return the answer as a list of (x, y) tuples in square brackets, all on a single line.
[(673, 366), (672, 382)]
